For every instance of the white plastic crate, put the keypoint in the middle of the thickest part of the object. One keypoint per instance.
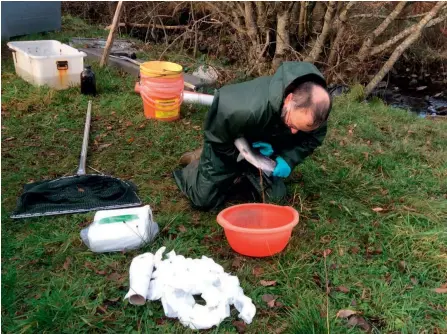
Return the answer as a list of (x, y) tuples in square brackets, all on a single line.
[(49, 63)]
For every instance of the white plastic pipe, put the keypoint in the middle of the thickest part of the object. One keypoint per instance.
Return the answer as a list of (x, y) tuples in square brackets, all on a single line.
[(197, 98), (140, 273)]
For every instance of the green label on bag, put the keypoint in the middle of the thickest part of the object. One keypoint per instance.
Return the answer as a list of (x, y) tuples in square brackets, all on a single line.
[(117, 219)]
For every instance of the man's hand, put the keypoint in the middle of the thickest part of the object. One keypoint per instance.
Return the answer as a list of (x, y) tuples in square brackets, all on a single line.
[(265, 148), (282, 169)]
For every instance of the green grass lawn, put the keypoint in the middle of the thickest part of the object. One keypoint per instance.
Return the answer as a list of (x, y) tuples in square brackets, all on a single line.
[(384, 263)]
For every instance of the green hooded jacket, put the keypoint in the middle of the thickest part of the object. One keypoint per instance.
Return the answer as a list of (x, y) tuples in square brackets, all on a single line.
[(252, 110)]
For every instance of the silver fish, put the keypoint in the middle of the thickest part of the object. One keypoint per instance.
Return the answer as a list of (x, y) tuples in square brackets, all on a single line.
[(253, 157)]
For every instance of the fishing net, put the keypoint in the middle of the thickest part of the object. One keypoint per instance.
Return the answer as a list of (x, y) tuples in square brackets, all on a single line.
[(75, 194)]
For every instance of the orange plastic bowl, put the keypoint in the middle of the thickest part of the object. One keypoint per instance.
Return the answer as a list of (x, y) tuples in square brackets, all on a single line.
[(258, 229)]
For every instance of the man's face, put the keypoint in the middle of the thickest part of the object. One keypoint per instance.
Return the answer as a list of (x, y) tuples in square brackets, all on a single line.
[(300, 119)]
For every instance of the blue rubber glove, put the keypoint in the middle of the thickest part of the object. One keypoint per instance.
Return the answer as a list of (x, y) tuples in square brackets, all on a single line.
[(265, 148), (282, 169)]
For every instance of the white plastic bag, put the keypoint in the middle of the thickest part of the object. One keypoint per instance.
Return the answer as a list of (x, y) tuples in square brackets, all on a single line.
[(118, 230)]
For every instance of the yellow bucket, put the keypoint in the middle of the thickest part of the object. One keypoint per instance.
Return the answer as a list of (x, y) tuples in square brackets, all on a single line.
[(157, 69)]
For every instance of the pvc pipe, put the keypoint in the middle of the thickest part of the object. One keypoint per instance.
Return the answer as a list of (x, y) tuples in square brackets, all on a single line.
[(188, 97), (197, 98), (140, 273)]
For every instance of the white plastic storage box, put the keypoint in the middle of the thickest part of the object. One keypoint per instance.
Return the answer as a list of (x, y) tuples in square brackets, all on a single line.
[(48, 63)]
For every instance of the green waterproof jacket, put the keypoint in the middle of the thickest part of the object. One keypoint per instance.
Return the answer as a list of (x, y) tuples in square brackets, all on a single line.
[(252, 110)]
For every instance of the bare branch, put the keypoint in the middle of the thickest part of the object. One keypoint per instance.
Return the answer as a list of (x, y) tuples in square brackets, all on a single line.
[(378, 16), (146, 25), (110, 38), (319, 43), (195, 31), (379, 30), (382, 47), (403, 46), (226, 18), (342, 19)]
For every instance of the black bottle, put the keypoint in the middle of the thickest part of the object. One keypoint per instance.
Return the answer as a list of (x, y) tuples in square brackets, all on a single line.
[(88, 81)]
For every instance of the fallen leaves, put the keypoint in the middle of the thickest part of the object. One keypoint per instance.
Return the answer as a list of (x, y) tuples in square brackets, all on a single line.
[(268, 283), (197, 127), (373, 251), (402, 266), (441, 289), (414, 280), (258, 271), (378, 209), (281, 329), (366, 294), (241, 327), (182, 229), (317, 280), (131, 140), (354, 319), (360, 322), (114, 277), (90, 266), (101, 310), (269, 300), (343, 289), (388, 278), (10, 138), (345, 313), (237, 262), (103, 146), (67, 263), (327, 252)]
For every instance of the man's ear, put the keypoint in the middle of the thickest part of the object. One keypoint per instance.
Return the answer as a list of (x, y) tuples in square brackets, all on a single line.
[(288, 98)]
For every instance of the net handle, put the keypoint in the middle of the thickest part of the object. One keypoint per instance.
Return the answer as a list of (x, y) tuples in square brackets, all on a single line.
[(83, 158)]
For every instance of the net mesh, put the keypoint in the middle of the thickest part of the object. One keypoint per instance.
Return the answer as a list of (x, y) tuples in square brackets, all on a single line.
[(75, 194)]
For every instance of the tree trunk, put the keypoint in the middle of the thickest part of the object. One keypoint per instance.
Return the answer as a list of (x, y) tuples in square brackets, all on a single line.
[(363, 53), (342, 18), (301, 21), (318, 47), (402, 47), (309, 17), (282, 34), (382, 47), (250, 22), (252, 30), (294, 24)]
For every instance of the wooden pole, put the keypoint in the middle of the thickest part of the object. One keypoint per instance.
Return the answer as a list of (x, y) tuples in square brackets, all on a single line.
[(109, 43)]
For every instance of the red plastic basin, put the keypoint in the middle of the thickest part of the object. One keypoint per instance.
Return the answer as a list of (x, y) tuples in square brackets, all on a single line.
[(257, 229)]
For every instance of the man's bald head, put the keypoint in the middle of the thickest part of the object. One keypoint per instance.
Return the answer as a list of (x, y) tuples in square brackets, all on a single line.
[(313, 98)]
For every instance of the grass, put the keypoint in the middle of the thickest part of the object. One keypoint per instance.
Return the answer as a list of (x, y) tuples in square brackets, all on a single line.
[(373, 157)]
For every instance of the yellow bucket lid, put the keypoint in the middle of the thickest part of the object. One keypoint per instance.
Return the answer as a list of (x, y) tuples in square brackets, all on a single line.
[(161, 69)]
